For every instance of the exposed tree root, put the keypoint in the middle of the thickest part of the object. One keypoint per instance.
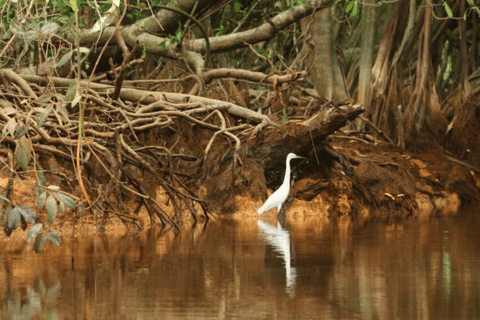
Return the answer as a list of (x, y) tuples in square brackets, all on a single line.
[(116, 163)]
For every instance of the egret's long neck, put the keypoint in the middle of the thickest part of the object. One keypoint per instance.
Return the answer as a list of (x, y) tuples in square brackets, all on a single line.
[(286, 180)]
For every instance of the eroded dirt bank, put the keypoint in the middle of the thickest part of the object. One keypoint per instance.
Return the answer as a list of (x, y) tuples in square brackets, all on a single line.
[(376, 181), (176, 163), (366, 181)]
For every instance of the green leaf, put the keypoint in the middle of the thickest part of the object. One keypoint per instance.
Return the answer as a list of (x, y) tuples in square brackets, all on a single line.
[(41, 179), (41, 200), (471, 2), (55, 238), (178, 35), (237, 6), (447, 9), (28, 213), (51, 207), (22, 153), (163, 44), (23, 222), (73, 4), (76, 99), (63, 112), (69, 202), (66, 57), (33, 232), (5, 220), (20, 132), (45, 98), (72, 90), (62, 207), (43, 117), (38, 190), (4, 198), (218, 31), (355, 9), (39, 242), (349, 6), (10, 127), (13, 216)]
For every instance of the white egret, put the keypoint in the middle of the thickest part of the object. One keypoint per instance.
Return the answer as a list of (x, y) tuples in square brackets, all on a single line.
[(278, 197)]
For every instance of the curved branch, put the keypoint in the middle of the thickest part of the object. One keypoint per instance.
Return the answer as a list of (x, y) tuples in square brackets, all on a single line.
[(164, 47), (248, 75), (260, 33), (16, 79)]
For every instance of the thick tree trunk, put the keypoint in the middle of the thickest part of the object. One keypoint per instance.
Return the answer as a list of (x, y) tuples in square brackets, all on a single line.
[(382, 110), (325, 73), (463, 47), (418, 109), (366, 58), (460, 140), (409, 31)]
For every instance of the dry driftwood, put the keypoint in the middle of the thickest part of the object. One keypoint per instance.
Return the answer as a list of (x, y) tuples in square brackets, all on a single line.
[(272, 145)]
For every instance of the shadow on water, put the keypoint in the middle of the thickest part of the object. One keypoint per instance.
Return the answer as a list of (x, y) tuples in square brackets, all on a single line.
[(253, 269)]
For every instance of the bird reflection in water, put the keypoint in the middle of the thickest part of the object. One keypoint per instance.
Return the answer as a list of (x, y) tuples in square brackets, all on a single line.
[(279, 239)]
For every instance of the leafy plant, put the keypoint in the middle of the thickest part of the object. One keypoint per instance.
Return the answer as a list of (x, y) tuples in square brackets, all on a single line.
[(48, 197), (174, 39), (16, 216), (177, 37), (352, 7), (448, 9), (237, 6), (218, 31), (23, 153), (471, 7), (23, 150)]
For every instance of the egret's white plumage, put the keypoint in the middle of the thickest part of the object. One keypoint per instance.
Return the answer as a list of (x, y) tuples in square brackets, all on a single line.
[(278, 197)]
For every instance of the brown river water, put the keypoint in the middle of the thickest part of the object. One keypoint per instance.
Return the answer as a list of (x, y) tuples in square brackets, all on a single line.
[(253, 269)]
